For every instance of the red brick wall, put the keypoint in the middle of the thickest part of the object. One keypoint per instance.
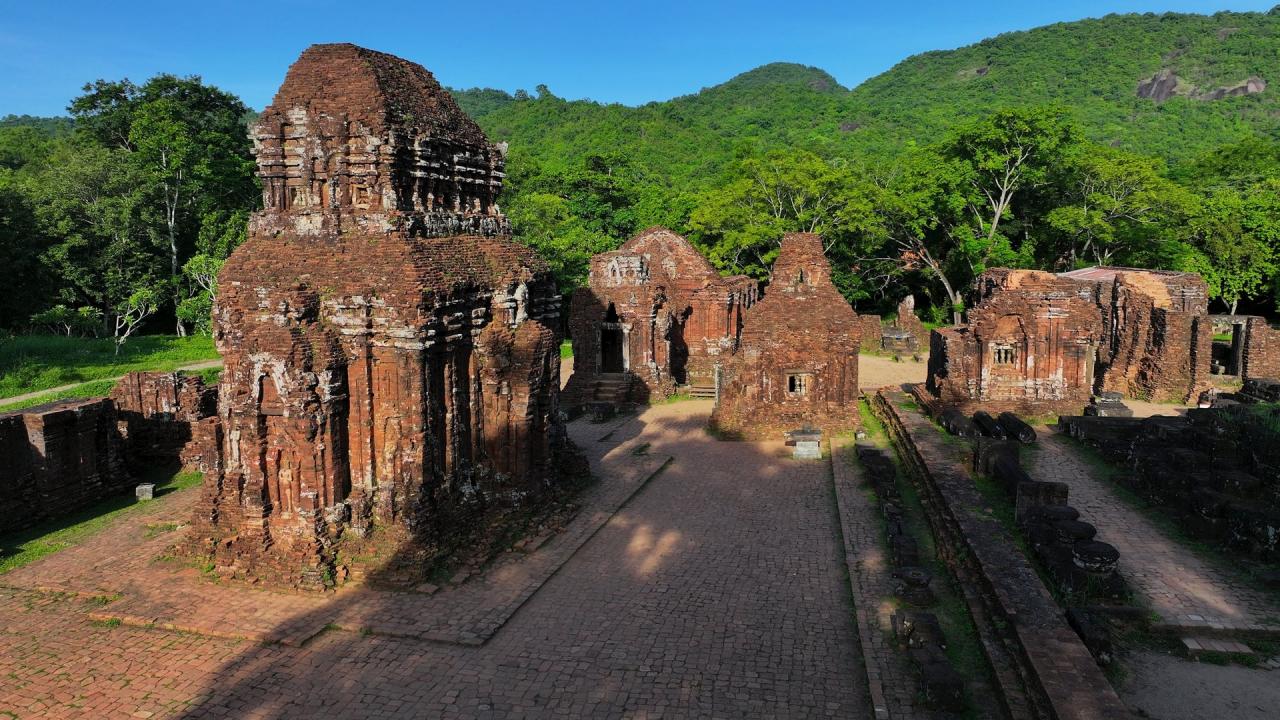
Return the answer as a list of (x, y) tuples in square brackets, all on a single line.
[(679, 316), (59, 458), (391, 357), (1261, 353), (1030, 340), (802, 327)]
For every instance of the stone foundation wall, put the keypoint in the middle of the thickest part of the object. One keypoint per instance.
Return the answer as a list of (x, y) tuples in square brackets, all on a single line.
[(1042, 669), (58, 459), (1213, 471)]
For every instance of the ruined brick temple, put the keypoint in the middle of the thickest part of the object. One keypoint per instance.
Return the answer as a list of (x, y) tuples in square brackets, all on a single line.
[(655, 315), (390, 354), (1038, 341), (797, 365)]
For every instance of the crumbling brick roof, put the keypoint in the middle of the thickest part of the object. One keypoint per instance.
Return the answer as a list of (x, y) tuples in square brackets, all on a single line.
[(378, 90)]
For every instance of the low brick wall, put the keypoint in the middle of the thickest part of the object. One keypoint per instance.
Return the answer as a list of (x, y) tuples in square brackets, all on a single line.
[(157, 412), (57, 459), (1042, 668)]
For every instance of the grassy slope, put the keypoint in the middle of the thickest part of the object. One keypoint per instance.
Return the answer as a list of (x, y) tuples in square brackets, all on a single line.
[(38, 362)]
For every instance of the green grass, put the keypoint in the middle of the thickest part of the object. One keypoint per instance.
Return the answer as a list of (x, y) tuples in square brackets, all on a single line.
[(27, 546), (674, 398), (566, 350), (876, 431), (94, 388), (38, 362), (964, 647)]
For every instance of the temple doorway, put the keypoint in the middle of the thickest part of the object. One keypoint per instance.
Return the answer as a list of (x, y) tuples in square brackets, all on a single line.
[(612, 356)]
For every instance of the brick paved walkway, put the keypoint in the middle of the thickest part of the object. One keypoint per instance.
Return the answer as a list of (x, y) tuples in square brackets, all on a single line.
[(715, 591), (1186, 591)]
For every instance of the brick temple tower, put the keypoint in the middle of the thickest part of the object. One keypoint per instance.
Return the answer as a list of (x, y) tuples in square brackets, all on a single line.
[(390, 352), (798, 362)]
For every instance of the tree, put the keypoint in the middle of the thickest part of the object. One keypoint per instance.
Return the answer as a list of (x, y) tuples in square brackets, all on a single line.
[(1238, 235), (132, 312), (1111, 202), (62, 319), (27, 286), (189, 152), (741, 225), (1002, 155), (86, 203), (546, 223)]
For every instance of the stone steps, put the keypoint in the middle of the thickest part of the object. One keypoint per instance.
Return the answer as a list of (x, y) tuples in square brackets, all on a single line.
[(701, 391), (1197, 645)]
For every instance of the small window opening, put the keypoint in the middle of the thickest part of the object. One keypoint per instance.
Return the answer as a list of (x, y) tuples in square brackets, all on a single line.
[(798, 384), (1005, 355)]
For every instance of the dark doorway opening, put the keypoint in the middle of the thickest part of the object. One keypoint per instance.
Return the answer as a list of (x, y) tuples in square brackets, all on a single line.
[(612, 359)]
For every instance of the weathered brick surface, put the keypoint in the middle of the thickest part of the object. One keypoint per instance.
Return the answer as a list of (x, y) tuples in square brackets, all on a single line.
[(657, 310), (59, 458), (1036, 341), (711, 593), (157, 410), (1030, 342), (1260, 358), (798, 361), (892, 685), (870, 328), (390, 357), (1157, 341)]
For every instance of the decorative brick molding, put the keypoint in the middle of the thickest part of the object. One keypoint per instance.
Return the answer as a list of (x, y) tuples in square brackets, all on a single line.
[(1037, 342), (391, 356), (657, 310)]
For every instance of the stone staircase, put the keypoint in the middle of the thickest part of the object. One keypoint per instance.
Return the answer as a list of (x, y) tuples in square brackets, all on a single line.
[(612, 388), (700, 391)]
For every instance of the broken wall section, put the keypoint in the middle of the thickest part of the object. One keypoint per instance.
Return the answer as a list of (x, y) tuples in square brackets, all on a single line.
[(59, 458)]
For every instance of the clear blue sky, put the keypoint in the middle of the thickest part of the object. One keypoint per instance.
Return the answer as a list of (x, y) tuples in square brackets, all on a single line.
[(629, 52)]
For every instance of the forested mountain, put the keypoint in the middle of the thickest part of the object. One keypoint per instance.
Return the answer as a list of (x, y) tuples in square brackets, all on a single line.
[(1148, 140), (1095, 67)]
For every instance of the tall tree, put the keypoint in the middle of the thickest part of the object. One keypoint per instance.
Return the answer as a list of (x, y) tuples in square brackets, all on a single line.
[(188, 149), (1110, 203), (741, 225), (1238, 234)]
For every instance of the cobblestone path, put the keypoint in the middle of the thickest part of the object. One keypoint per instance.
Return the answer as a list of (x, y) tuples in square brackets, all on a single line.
[(716, 591), (1185, 590)]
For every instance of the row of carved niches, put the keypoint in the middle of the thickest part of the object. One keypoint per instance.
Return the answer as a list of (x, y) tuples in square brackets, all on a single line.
[(304, 170)]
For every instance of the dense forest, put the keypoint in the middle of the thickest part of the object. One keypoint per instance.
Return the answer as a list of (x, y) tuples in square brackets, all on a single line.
[(1143, 140)]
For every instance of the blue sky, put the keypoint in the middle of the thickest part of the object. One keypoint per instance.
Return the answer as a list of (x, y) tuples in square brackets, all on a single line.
[(630, 52)]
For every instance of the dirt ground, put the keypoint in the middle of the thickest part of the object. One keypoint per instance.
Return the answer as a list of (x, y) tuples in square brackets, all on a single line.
[(876, 371), (1169, 688)]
